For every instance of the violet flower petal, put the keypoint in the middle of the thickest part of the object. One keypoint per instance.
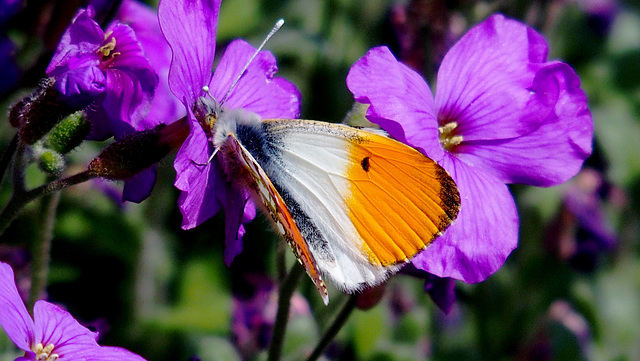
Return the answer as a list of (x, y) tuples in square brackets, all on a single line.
[(484, 233), (110, 353), (83, 36), (442, 292), (555, 151), (234, 201), (53, 325), (14, 318), (485, 79), (256, 91), (198, 183), (131, 81), (400, 100), (80, 86), (139, 187), (165, 107), (190, 28)]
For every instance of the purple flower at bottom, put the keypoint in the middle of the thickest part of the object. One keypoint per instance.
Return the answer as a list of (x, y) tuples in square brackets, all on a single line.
[(52, 334), (190, 28), (501, 114)]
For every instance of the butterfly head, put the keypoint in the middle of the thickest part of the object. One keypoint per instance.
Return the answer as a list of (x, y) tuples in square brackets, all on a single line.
[(207, 110)]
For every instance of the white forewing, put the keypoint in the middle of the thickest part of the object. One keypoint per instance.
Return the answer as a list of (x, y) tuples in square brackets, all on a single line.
[(309, 163)]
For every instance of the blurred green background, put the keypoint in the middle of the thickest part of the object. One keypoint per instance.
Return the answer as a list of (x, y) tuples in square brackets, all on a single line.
[(130, 272)]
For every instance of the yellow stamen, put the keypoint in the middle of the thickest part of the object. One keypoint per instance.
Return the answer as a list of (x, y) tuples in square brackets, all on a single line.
[(107, 48), (45, 353), (448, 138)]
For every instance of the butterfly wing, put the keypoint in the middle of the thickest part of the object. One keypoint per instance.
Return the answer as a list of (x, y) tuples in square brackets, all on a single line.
[(246, 169), (364, 203)]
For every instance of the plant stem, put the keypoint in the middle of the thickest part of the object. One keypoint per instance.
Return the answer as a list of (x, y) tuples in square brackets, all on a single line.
[(7, 155), (41, 248), (282, 317), (334, 328), (20, 199)]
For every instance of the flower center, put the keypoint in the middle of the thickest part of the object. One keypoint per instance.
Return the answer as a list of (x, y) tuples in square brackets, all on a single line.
[(449, 137), (107, 50), (44, 353)]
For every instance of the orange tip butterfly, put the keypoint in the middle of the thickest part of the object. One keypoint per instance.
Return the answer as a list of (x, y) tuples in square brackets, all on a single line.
[(353, 204)]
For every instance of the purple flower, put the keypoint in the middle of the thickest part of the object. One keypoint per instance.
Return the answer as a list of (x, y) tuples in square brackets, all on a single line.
[(108, 68), (116, 70), (52, 334), (502, 114), (190, 27)]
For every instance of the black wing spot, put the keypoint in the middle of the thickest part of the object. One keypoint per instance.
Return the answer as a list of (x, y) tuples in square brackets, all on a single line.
[(365, 164)]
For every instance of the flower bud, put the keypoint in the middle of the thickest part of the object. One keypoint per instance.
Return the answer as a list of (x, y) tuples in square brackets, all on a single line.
[(130, 155), (68, 134), (37, 114), (51, 162), (370, 297)]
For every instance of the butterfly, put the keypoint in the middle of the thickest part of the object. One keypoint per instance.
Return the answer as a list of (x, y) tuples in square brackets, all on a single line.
[(353, 204)]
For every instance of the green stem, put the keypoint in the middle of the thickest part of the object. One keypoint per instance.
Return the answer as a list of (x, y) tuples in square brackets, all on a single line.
[(282, 316), (334, 328), (41, 248), (281, 259), (20, 199)]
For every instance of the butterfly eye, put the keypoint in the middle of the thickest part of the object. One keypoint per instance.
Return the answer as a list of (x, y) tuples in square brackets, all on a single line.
[(206, 110)]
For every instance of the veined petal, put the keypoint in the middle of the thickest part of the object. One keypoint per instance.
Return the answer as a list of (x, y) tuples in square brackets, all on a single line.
[(53, 325), (190, 28), (80, 86), (143, 19), (14, 318), (139, 187), (126, 101), (484, 234), (484, 82), (400, 100), (555, 151), (197, 181), (83, 36), (257, 90)]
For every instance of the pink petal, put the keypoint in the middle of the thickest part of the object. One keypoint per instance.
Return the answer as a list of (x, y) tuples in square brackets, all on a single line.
[(14, 318), (257, 91), (555, 151), (484, 82), (198, 201), (190, 28), (484, 234), (400, 100), (56, 326)]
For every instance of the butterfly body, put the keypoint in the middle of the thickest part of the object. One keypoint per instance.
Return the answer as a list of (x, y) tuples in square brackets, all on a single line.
[(354, 205)]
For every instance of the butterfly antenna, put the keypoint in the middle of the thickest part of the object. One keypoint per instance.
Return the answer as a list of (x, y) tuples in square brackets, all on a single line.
[(275, 28)]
